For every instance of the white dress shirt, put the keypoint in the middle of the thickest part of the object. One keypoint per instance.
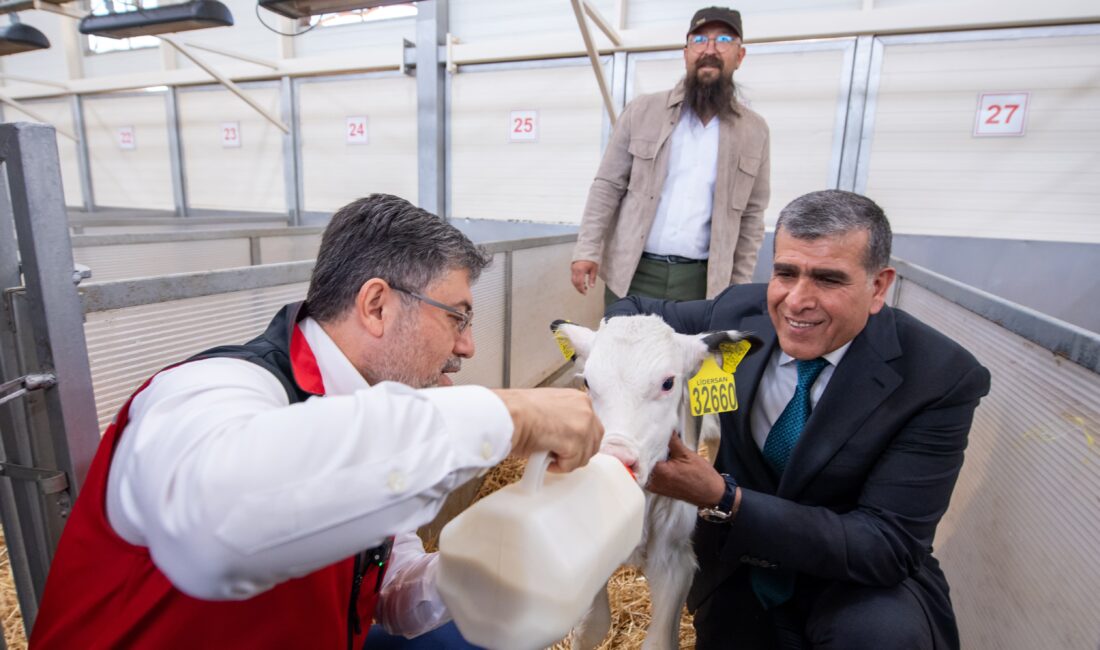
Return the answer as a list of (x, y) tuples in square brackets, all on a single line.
[(234, 490), (682, 224), (777, 387)]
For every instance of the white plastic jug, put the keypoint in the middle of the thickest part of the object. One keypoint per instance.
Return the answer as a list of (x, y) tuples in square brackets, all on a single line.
[(519, 568)]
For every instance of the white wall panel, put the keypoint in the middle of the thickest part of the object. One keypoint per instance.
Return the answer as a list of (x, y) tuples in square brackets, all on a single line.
[(248, 177), (934, 177), (473, 20), (368, 39), (136, 178), (544, 180), (645, 13), (58, 113), (797, 93), (124, 62), (246, 36), (335, 172)]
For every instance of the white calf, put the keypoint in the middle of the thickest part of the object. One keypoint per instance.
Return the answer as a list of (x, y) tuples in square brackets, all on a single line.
[(636, 370)]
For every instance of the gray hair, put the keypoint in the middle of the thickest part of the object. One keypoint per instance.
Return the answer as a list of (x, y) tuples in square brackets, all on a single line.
[(830, 213), (384, 236)]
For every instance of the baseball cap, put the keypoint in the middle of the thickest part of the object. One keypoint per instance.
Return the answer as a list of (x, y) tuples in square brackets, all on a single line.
[(724, 15)]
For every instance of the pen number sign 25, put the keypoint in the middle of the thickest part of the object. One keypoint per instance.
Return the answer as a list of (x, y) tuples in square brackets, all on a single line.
[(523, 126)]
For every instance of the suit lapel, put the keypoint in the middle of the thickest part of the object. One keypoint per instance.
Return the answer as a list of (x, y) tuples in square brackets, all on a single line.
[(859, 385), (747, 381)]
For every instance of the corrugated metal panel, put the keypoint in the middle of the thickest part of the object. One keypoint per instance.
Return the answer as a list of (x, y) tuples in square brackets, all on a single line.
[(335, 172), (289, 249), (136, 178), (60, 115), (1038, 186), (487, 366), (1018, 543), (248, 177), (116, 262), (542, 180), (126, 346), (542, 293), (798, 93)]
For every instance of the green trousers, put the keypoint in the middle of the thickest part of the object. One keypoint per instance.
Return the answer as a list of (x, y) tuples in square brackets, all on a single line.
[(657, 279)]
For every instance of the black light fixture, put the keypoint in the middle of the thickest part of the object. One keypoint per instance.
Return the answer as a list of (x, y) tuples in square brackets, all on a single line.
[(305, 8), (17, 37), (197, 14)]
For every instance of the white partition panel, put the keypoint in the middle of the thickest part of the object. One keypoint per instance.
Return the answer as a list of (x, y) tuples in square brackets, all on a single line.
[(59, 114), (126, 346), (1018, 542), (542, 179), (486, 368), (128, 150), (223, 172), (118, 261), (338, 166), (542, 293), (935, 177), (800, 90), (290, 248)]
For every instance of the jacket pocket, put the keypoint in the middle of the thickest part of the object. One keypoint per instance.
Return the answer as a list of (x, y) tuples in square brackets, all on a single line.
[(643, 158), (743, 181)]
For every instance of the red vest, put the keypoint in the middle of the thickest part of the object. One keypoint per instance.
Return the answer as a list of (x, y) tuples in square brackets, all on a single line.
[(103, 592)]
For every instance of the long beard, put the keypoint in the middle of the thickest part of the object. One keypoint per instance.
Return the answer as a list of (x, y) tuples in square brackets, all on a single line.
[(709, 97)]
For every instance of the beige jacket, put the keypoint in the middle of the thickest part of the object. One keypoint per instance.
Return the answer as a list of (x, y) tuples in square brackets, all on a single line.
[(622, 201)]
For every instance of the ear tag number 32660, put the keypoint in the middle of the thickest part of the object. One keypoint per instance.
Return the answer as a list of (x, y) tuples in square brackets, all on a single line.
[(712, 390)]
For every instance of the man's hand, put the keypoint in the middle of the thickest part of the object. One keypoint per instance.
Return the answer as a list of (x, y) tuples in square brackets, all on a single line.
[(584, 275), (558, 420), (687, 476)]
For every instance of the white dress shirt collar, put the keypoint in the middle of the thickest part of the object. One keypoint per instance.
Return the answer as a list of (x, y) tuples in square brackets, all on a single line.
[(338, 374)]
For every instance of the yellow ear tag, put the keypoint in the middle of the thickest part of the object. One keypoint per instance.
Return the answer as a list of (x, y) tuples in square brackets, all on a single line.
[(732, 353), (566, 347), (712, 390)]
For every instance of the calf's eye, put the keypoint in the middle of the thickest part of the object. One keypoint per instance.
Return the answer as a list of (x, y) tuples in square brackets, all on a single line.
[(669, 381), (586, 383)]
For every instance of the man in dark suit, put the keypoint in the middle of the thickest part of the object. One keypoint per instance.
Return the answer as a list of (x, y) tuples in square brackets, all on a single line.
[(817, 518)]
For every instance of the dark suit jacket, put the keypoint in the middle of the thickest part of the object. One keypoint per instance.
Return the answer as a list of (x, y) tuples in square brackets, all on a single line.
[(872, 473)]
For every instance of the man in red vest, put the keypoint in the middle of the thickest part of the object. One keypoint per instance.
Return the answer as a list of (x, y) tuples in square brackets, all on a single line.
[(261, 495)]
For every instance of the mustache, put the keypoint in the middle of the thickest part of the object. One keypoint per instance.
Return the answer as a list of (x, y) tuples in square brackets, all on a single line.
[(454, 364), (709, 59)]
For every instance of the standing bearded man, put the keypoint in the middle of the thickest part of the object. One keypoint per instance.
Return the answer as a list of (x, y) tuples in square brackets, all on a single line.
[(677, 207)]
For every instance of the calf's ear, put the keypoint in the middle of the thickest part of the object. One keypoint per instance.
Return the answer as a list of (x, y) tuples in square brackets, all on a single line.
[(579, 338), (697, 347)]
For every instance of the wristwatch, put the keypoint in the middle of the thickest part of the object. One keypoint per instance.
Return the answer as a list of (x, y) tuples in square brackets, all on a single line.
[(722, 512)]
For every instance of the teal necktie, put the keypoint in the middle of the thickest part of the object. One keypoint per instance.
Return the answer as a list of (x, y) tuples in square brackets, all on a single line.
[(775, 587)]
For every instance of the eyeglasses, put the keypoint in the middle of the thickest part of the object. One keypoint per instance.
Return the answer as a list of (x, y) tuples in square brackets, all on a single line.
[(464, 317), (722, 42)]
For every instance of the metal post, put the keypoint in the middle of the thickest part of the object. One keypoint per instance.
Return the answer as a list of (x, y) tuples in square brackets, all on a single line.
[(61, 418), (506, 375), (17, 498), (175, 153), (289, 108), (857, 101), (83, 159), (431, 32)]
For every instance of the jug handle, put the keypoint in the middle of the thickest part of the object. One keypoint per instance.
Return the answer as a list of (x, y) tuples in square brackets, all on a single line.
[(537, 465)]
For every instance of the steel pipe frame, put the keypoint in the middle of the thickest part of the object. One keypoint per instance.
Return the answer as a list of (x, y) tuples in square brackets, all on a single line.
[(432, 24), (61, 432)]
